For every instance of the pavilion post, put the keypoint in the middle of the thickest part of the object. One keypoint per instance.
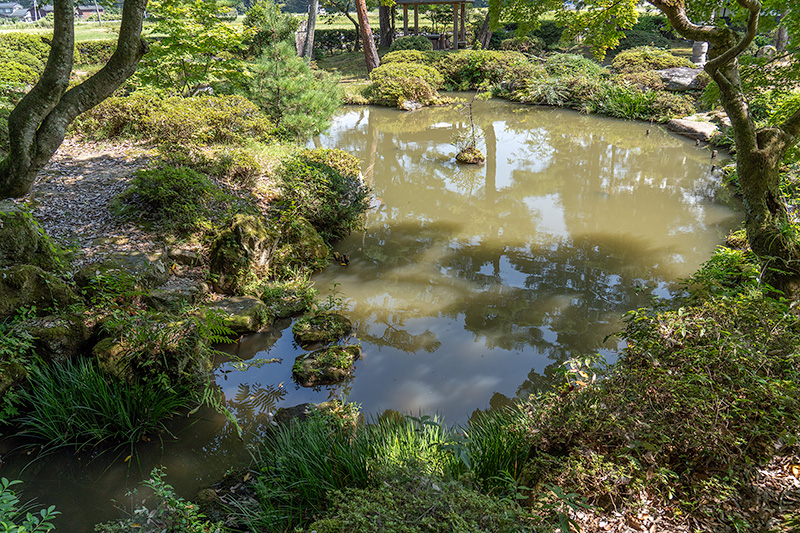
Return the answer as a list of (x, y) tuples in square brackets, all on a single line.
[(455, 26), (463, 22), (405, 19), (416, 19)]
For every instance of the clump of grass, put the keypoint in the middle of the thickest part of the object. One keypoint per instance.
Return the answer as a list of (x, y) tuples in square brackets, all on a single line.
[(72, 404)]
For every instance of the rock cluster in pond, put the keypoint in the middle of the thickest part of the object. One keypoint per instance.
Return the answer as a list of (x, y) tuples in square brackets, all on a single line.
[(470, 156), (326, 366), (325, 328)]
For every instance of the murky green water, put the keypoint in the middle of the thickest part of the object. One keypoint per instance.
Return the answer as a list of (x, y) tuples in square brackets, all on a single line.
[(469, 286)]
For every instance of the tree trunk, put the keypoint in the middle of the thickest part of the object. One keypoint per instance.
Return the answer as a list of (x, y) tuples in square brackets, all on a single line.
[(385, 18), (357, 43), (308, 49), (758, 152), (38, 124), (485, 34), (782, 38), (370, 52)]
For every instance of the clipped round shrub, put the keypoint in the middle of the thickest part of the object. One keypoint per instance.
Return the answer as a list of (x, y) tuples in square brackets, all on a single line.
[(34, 44), (469, 68), (175, 120), (412, 42), (525, 45), (407, 70), (23, 58), (96, 52), (324, 186), (648, 79), (395, 83), (405, 56), (17, 74), (645, 58), (636, 38), (573, 65), (668, 105)]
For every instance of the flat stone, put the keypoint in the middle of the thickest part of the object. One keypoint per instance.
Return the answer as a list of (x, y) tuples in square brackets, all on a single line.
[(694, 129), (679, 78), (145, 270), (287, 415), (410, 105), (327, 366), (242, 314), (183, 256), (176, 293)]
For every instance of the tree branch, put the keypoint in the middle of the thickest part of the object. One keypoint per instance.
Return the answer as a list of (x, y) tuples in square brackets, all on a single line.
[(752, 28)]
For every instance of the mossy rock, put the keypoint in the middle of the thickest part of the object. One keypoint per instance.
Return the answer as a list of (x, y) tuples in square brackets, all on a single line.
[(11, 374), (326, 328), (326, 366), (242, 251), (181, 356), (123, 272), (738, 240), (242, 314), (285, 302), (471, 156), (30, 286), (57, 338), (176, 294), (23, 241), (302, 246)]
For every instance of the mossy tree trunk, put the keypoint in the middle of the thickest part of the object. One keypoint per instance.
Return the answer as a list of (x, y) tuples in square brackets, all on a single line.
[(38, 124), (759, 152)]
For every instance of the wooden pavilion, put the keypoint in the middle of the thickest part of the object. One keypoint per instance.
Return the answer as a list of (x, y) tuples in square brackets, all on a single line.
[(459, 36)]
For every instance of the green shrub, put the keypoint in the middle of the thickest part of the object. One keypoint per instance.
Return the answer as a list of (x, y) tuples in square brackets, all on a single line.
[(73, 404), (646, 79), (17, 73), (469, 69), (395, 83), (421, 505), (96, 52), (23, 58), (644, 58), (654, 24), (324, 187), (36, 45), (635, 39), (174, 198), (406, 56), (412, 42), (573, 65), (175, 120), (525, 45)]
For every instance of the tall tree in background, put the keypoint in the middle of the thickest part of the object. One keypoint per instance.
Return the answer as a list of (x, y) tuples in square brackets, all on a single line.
[(39, 122), (308, 49), (759, 150), (370, 51)]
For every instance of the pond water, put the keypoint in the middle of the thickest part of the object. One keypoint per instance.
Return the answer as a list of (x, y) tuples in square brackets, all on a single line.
[(469, 286)]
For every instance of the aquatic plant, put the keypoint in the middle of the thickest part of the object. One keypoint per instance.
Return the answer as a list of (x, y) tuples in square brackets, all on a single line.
[(73, 404)]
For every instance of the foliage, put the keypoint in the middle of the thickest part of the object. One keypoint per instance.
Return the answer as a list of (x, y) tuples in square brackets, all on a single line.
[(644, 58), (330, 41), (299, 101), (704, 390), (17, 73), (174, 198), (412, 42), (20, 518), (96, 52), (73, 404), (549, 31), (636, 38), (407, 56), (471, 69), (398, 70), (198, 47), (268, 26), (171, 514), (574, 65), (173, 120), (23, 58), (324, 187), (409, 504), (31, 43), (525, 45)]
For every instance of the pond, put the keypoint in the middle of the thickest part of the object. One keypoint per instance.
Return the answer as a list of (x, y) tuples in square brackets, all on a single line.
[(469, 285)]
